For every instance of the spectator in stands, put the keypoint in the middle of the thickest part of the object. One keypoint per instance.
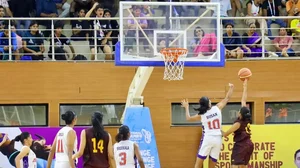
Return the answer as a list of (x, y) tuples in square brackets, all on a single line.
[(236, 7), (2, 14), (113, 24), (5, 5), (77, 5), (198, 35), (64, 6), (80, 28), (102, 32), (4, 43), (225, 7), (60, 40), (295, 28), (46, 8), (293, 9), (283, 44), (254, 9), (232, 42), (22, 9), (111, 5), (19, 40), (206, 44), (272, 9), (33, 43), (251, 42), (269, 114), (283, 114), (148, 12), (132, 26)]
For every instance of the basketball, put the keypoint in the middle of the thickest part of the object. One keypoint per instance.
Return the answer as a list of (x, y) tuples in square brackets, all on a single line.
[(244, 73)]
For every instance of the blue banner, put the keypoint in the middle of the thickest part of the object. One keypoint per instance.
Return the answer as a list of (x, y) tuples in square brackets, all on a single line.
[(138, 119)]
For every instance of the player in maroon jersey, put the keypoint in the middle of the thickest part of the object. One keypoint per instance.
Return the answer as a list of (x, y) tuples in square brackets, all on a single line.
[(96, 145), (243, 146)]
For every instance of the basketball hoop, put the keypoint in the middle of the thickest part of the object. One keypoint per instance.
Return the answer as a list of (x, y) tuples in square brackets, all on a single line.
[(174, 62)]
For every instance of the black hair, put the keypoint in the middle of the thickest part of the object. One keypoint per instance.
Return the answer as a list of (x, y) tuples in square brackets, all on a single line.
[(99, 7), (1, 7), (58, 24), (39, 136), (204, 105), (68, 117), (195, 33), (123, 133), (98, 128), (22, 137), (295, 155), (33, 23), (107, 10), (245, 113), (229, 23)]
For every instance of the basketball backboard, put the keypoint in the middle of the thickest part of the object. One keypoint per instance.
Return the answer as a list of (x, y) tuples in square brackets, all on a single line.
[(147, 27)]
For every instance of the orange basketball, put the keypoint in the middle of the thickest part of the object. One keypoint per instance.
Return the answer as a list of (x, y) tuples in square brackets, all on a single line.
[(244, 73)]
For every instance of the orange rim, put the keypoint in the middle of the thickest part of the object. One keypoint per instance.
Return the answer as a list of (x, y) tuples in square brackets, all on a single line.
[(172, 54)]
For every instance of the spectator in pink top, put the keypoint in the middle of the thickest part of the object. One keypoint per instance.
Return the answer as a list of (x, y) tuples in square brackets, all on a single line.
[(283, 44), (206, 44)]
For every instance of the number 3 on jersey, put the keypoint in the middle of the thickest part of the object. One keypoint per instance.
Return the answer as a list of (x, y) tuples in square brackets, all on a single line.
[(214, 124), (123, 157), (97, 145)]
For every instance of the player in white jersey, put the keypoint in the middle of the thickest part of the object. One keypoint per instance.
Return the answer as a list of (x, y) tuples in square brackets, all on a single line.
[(26, 158), (211, 119), (126, 151), (65, 143)]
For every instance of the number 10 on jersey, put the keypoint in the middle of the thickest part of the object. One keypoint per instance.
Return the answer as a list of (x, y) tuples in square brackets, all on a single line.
[(214, 124)]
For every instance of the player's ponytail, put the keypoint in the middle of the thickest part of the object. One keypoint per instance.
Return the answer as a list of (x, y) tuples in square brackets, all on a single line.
[(245, 113), (204, 105), (99, 131), (123, 133), (22, 137)]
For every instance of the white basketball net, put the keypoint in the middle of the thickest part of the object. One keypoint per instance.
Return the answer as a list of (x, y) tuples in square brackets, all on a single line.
[(174, 63)]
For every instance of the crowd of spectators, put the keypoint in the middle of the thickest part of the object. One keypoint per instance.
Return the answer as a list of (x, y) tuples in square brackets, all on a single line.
[(28, 42)]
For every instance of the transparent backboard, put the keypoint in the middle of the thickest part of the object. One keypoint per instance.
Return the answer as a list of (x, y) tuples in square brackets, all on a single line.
[(148, 27)]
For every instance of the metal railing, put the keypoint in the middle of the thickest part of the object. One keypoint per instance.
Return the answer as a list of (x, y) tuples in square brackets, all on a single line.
[(177, 21)]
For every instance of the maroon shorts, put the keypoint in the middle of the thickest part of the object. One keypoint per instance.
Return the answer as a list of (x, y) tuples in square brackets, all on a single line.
[(241, 153)]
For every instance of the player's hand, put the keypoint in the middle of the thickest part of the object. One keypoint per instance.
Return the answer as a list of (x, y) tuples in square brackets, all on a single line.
[(73, 157), (185, 103), (5, 137), (231, 86), (95, 4)]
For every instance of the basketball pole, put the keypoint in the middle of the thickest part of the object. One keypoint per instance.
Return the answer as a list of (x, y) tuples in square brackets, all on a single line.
[(139, 26), (190, 26)]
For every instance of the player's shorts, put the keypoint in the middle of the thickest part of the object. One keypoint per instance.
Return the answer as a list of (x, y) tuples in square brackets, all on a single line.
[(62, 164), (211, 145), (241, 152), (12, 158)]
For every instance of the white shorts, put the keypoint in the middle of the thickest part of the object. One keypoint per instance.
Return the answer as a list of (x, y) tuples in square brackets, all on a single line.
[(211, 145), (62, 164)]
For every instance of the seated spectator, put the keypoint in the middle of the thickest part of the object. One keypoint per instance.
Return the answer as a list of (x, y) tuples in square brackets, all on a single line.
[(272, 9), (293, 9), (80, 28), (2, 14), (33, 43), (207, 43), (5, 5), (132, 26), (225, 7), (19, 40), (102, 33), (198, 35), (4, 43), (149, 12), (77, 5), (64, 6), (251, 43), (60, 40), (295, 28), (236, 7), (254, 9), (283, 44), (114, 26), (46, 8), (108, 4), (22, 9), (232, 42)]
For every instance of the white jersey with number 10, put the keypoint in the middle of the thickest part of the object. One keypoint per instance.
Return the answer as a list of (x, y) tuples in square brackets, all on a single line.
[(124, 154), (212, 121)]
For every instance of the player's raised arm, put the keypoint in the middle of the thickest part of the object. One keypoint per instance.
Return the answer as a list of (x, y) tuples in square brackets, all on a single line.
[(82, 145), (185, 104), (244, 97), (137, 153), (70, 144), (111, 153), (223, 103), (232, 129), (51, 154)]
